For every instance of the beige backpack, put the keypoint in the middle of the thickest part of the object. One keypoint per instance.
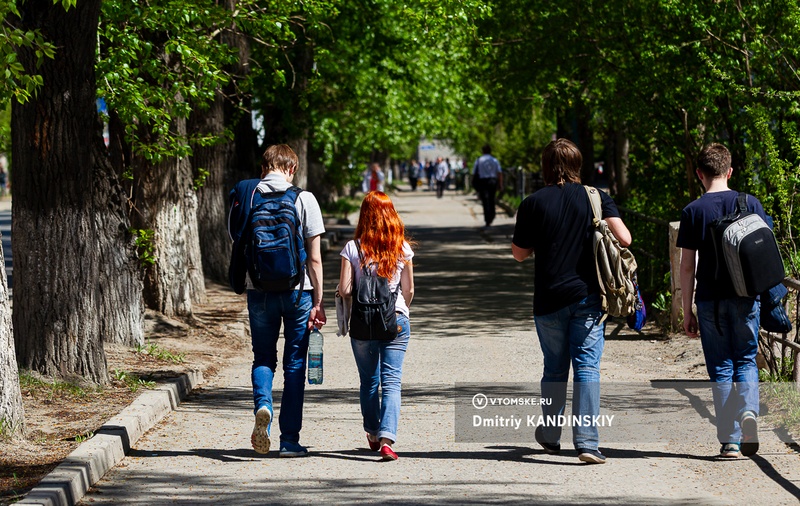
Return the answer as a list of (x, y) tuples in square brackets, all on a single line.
[(616, 266)]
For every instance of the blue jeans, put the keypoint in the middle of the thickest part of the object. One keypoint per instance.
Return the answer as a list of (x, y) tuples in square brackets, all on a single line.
[(574, 333), (267, 311), (381, 363), (731, 360)]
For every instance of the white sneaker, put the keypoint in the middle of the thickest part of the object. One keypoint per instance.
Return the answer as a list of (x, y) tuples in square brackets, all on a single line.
[(260, 436)]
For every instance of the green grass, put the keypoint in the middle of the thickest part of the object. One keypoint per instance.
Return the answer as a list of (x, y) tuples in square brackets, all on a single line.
[(132, 381), (52, 389), (155, 351)]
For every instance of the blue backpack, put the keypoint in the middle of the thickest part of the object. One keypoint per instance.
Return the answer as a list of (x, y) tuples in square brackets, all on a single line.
[(274, 248)]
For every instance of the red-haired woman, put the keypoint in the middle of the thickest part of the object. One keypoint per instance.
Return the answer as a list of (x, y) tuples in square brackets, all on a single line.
[(380, 234)]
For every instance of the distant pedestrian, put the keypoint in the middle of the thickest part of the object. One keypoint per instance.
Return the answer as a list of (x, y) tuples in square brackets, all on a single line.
[(373, 179), (441, 175), (413, 174), (727, 324), (3, 181), (297, 310), (380, 247), (555, 224), (487, 177)]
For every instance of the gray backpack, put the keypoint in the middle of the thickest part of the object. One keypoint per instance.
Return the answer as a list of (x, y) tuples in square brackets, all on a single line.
[(616, 266), (746, 250)]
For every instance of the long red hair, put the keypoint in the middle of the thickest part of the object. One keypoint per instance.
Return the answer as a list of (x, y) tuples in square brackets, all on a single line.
[(381, 233)]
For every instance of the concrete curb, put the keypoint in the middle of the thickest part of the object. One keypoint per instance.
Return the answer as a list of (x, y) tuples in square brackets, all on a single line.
[(70, 481)]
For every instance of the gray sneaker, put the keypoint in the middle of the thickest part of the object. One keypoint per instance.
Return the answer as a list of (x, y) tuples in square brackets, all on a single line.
[(591, 456)]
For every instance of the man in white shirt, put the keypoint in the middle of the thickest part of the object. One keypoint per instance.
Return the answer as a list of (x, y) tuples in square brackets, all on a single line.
[(487, 177)]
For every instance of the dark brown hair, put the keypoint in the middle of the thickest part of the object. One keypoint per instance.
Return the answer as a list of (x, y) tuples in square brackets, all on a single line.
[(714, 160), (561, 162)]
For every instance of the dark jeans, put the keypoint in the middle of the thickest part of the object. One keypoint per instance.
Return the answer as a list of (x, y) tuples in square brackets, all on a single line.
[(487, 189), (440, 186), (413, 182)]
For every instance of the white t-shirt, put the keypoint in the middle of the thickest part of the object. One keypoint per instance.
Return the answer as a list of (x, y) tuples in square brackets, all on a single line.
[(307, 209), (350, 252)]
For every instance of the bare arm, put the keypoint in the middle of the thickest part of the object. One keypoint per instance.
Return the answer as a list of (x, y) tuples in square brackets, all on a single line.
[(317, 317), (687, 291), (407, 283), (620, 231), (520, 254), (346, 279)]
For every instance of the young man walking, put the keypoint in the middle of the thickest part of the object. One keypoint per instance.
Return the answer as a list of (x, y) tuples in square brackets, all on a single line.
[(298, 309), (727, 324), (555, 224)]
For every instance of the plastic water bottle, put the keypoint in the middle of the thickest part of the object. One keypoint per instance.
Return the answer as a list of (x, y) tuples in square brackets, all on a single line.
[(315, 341)]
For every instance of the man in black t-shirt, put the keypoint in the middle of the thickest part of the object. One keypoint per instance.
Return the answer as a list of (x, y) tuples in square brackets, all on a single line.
[(727, 324), (555, 224)]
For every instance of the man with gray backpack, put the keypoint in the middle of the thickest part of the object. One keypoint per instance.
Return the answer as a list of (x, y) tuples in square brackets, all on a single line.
[(275, 228), (727, 310)]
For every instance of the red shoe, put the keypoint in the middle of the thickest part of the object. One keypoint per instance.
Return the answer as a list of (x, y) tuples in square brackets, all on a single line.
[(373, 445), (387, 453)]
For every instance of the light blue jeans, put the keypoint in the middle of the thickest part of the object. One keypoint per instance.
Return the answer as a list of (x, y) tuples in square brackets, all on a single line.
[(572, 334), (731, 360), (380, 363), (267, 312)]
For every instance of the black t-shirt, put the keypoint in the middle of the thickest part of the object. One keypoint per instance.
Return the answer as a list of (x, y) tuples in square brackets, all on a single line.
[(694, 235), (556, 222)]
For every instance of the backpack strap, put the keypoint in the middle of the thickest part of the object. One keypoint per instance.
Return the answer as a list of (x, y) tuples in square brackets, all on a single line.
[(595, 202), (742, 202), (366, 271)]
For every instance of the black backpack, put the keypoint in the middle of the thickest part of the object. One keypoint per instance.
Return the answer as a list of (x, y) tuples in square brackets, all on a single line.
[(373, 316), (746, 251)]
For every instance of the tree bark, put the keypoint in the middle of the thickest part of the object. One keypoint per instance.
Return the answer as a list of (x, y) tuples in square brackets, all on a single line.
[(212, 194), (621, 163), (167, 204), (12, 413), (76, 285)]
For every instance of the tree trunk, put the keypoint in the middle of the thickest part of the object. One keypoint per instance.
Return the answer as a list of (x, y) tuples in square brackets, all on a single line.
[(586, 142), (167, 205), (621, 163), (212, 193), (300, 147), (12, 414), (75, 283)]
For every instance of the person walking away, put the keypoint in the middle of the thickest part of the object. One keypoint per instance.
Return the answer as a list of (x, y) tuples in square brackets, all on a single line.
[(430, 170), (442, 172), (413, 175), (385, 251), (3, 181), (298, 308), (373, 178), (487, 176), (727, 324), (556, 224)]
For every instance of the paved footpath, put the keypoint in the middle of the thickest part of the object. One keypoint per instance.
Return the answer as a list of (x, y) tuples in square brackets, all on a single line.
[(471, 322)]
